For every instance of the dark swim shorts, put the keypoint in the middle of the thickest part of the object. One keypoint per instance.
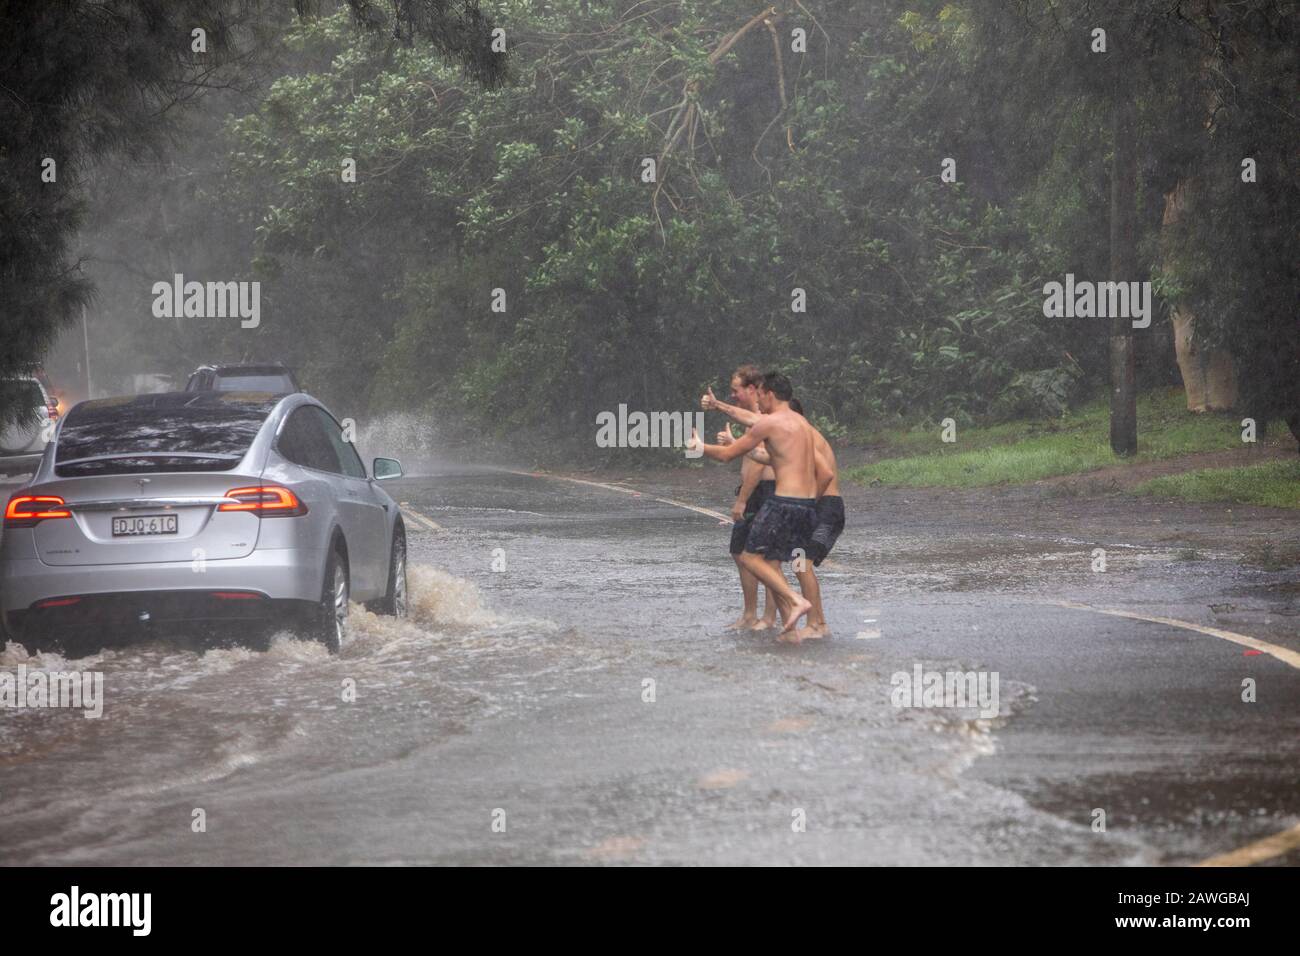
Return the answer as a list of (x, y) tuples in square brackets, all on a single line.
[(782, 526), (740, 530), (830, 522)]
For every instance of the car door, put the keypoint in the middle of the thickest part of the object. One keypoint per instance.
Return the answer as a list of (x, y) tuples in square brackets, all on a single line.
[(301, 442), (369, 511), (305, 441)]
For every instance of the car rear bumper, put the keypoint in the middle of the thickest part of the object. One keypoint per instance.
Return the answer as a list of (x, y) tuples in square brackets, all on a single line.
[(108, 616), (166, 591)]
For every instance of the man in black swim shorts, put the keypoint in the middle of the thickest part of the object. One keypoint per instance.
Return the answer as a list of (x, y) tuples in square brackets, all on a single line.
[(782, 527)]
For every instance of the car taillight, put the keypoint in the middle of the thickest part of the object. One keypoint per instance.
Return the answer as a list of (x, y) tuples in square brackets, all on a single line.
[(24, 511), (269, 501)]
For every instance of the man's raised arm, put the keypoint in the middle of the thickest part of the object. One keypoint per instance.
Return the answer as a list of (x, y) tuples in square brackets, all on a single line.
[(743, 415), (741, 446)]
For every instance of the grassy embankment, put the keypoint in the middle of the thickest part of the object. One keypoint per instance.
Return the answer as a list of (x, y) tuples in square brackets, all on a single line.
[(1025, 451)]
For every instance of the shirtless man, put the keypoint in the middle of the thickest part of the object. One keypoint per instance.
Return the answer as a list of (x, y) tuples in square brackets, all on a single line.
[(757, 481), (830, 513), (786, 520)]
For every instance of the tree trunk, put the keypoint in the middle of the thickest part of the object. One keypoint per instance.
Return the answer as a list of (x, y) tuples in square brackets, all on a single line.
[(1123, 268), (1209, 377)]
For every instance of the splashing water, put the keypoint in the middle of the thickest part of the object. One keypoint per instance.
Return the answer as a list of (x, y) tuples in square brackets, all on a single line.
[(404, 435), (440, 599), (228, 711)]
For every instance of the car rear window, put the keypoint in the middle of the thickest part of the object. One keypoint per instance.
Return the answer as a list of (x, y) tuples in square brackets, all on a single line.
[(170, 431), (253, 383)]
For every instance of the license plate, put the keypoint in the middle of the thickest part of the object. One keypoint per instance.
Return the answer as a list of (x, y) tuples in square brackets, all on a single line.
[(144, 524)]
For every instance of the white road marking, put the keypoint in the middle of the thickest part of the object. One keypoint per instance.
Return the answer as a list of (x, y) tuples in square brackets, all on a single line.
[(1281, 653), (627, 491), (1260, 850)]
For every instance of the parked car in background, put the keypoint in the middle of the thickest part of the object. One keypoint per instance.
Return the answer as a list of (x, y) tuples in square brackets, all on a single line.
[(199, 508), (22, 442), (269, 377)]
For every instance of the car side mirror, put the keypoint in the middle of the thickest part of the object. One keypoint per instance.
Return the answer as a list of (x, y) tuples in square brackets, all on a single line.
[(386, 468)]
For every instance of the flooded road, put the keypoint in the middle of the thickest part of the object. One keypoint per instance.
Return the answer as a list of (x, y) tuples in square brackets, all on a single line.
[(565, 692)]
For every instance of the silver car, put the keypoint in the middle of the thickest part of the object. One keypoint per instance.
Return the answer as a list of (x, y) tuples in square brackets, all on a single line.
[(199, 508)]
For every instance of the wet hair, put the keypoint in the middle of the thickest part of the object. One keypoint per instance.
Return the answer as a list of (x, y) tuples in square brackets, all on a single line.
[(778, 385), (797, 406), (748, 375)]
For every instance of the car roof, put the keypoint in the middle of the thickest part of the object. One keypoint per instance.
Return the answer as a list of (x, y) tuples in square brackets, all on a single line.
[(168, 401), (247, 367)]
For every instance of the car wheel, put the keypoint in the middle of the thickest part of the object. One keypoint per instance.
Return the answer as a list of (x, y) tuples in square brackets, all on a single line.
[(393, 603), (330, 626)]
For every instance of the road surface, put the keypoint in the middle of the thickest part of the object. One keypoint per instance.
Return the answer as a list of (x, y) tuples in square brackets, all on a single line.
[(565, 692)]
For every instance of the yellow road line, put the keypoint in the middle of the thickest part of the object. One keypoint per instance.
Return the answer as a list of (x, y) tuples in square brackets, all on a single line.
[(427, 522), (1259, 851), (1278, 843)]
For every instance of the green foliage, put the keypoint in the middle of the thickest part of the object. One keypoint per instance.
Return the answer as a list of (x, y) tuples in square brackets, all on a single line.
[(923, 296), (919, 294)]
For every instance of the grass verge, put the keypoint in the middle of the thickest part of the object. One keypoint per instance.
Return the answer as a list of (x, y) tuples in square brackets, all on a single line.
[(1019, 452), (1275, 484)]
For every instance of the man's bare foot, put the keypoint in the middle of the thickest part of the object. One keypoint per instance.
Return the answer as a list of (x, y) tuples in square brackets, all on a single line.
[(798, 608), (812, 632), (791, 637), (742, 622), (762, 624)]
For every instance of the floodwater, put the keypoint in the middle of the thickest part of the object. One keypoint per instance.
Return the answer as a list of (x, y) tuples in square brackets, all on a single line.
[(565, 692)]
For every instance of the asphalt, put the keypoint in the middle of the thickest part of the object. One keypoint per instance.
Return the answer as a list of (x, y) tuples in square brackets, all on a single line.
[(566, 692)]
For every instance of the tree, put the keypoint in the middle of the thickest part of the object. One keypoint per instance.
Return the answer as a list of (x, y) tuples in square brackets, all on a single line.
[(775, 170), (81, 81), (1191, 88)]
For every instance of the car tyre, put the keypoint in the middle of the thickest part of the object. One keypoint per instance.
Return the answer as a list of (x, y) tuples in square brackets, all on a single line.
[(394, 601), (331, 616)]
